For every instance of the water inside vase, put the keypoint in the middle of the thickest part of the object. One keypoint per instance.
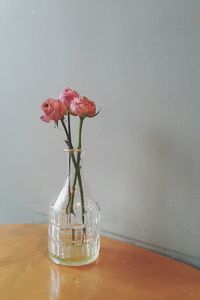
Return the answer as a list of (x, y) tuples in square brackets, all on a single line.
[(76, 244)]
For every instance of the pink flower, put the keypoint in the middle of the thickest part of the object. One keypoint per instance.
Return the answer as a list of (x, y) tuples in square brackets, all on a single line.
[(54, 110), (67, 95), (82, 107)]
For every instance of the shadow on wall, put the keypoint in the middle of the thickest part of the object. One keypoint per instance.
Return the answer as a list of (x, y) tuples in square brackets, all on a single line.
[(168, 188)]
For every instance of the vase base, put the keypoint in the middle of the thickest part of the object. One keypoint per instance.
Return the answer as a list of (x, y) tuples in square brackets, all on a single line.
[(73, 263)]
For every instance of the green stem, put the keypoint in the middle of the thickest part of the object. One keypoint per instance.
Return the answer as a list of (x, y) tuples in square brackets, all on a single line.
[(69, 126), (73, 189), (69, 208), (68, 141), (76, 163), (77, 174)]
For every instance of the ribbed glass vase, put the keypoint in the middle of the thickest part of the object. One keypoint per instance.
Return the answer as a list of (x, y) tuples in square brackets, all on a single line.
[(74, 219)]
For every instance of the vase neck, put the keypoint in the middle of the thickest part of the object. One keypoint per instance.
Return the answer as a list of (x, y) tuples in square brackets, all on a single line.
[(74, 160)]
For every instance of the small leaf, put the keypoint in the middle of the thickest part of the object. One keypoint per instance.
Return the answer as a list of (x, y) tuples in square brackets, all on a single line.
[(97, 112)]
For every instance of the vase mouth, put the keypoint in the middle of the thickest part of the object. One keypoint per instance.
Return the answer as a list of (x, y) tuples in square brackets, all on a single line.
[(74, 150)]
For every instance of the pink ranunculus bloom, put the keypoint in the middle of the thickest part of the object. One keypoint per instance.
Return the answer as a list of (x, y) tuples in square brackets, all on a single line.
[(54, 110), (67, 95), (82, 107)]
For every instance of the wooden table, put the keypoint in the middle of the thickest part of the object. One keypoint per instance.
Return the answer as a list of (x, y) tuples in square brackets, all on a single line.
[(122, 272)]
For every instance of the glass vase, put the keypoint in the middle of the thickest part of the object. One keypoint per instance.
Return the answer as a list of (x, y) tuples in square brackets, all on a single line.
[(74, 219)]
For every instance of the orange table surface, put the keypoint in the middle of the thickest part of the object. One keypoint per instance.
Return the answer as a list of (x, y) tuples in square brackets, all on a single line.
[(123, 271)]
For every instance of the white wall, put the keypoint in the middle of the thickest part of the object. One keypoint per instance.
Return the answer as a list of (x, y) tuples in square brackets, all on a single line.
[(139, 60)]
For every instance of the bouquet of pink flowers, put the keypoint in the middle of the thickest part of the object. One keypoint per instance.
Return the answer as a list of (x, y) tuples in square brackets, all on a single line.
[(68, 104)]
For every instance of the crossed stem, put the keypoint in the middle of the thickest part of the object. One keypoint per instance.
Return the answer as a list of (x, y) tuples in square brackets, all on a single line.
[(76, 164)]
